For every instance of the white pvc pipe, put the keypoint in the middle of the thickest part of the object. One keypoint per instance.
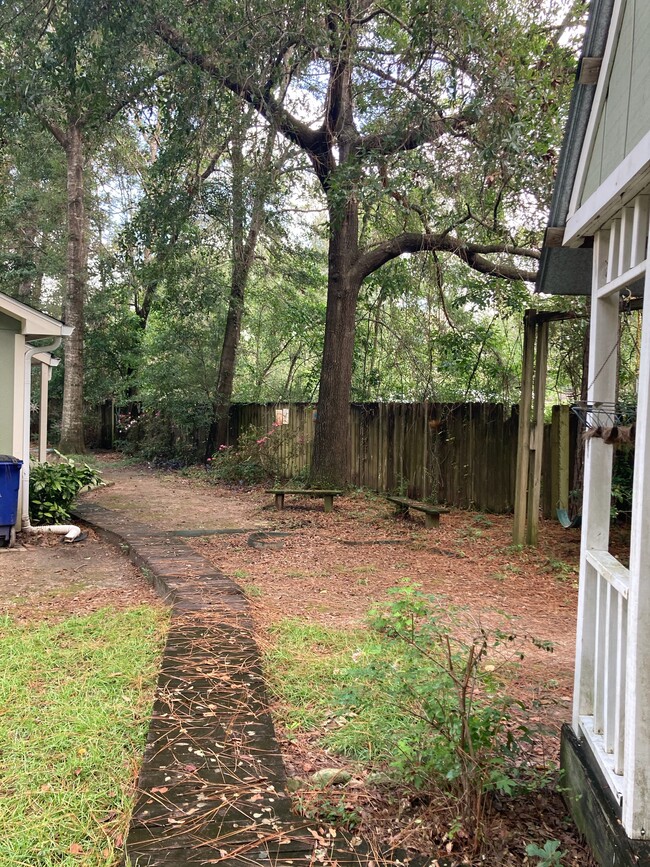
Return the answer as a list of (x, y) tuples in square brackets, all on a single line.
[(69, 530)]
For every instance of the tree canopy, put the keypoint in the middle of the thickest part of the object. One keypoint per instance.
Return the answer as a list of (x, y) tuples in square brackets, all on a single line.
[(272, 173)]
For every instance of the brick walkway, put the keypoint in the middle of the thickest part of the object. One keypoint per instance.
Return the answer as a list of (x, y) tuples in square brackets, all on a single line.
[(212, 785)]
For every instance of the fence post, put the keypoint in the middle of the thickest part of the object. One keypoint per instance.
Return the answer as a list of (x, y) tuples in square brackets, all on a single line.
[(537, 434), (560, 458), (523, 438)]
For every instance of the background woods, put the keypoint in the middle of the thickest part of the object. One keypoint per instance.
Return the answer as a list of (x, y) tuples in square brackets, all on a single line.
[(246, 190)]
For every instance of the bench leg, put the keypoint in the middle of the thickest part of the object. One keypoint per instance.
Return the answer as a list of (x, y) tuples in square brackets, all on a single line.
[(401, 511), (431, 521), (279, 501), (328, 503)]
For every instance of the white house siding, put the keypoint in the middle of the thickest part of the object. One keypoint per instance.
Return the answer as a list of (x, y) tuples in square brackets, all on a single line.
[(625, 114)]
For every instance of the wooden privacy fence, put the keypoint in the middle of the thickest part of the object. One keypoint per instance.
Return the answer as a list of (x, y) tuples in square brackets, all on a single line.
[(460, 454)]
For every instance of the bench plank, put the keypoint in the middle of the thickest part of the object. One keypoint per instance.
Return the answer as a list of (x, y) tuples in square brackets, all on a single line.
[(431, 513)]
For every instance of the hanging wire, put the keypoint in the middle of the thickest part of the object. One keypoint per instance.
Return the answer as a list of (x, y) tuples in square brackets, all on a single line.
[(600, 414)]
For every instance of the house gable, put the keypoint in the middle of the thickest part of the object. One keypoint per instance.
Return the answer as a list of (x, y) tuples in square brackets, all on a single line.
[(620, 116), (32, 323)]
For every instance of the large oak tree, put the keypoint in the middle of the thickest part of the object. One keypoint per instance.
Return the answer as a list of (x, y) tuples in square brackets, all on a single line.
[(440, 114)]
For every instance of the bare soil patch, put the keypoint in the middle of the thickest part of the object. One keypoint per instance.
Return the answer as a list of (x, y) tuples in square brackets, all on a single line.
[(169, 501), (46, 578)]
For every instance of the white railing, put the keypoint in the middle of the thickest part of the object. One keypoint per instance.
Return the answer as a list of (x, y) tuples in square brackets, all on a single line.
[(604, 724), (627, 241)]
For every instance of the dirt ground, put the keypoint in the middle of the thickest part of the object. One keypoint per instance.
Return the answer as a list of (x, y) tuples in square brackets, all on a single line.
[(45, 578), (330, 568)]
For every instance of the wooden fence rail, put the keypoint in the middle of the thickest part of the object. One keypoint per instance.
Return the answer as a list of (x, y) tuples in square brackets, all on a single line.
[(460, 454)]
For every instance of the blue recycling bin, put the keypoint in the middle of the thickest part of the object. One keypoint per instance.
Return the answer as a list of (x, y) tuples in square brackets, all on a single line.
[(9, 484)]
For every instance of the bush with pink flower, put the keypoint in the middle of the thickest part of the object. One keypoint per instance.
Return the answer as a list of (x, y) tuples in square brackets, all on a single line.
[(258, 455)]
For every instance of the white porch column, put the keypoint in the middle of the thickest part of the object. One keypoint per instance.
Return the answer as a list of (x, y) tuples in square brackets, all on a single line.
[(46, 373), (603, 355), (636, 805)]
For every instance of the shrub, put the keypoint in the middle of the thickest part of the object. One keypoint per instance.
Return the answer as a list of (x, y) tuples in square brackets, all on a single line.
[(453, 729), (53, 488), (258, 455)]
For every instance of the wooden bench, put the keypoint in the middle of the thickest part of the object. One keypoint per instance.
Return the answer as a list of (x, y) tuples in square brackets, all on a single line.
[(328, 496), (431, 513)]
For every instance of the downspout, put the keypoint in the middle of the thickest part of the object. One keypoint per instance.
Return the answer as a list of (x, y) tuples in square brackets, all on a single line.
[(70, 531)]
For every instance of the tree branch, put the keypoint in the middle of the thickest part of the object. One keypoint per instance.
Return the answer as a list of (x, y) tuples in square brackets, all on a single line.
[(55, 129), (399, 140), (132, 94), (310, 140), (471, 254)]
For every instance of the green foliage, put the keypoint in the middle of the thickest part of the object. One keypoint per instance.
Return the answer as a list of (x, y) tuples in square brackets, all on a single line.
[(325, 809), (258, 455), (76, 699), (622, 479), (461, 731), (421, 693), (53, 488), (549, 855), (426, 327)]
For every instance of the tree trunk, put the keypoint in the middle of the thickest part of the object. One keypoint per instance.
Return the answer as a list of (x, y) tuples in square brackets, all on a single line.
[(225, 378), (243, 253), (331, 458), (26, 288), (72, 433)]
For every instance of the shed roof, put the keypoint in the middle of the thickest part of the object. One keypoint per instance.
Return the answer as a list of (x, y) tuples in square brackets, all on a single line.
[(33, 323), (563, 270)]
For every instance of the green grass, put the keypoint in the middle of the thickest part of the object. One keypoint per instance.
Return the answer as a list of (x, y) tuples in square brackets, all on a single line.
[(309, 670), (75, 699), (305, 666)]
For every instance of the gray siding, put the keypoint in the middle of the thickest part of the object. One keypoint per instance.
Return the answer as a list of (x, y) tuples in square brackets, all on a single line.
[(625, 117), (8, 329)]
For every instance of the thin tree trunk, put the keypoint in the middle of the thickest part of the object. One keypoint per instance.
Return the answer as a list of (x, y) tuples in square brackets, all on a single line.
[(72, 433), (243, 254), (226, 375), (26, 288)]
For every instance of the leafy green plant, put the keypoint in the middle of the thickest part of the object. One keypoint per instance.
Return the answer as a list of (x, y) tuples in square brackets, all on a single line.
[(549, 855), (457, 731), (54, 486), (328, 811), (560, 569), (419, 694), (258, 455), (622, 478)]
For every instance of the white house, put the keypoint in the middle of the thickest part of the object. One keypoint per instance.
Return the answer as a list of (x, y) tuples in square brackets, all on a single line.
[(20, 325), (597, 244)]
